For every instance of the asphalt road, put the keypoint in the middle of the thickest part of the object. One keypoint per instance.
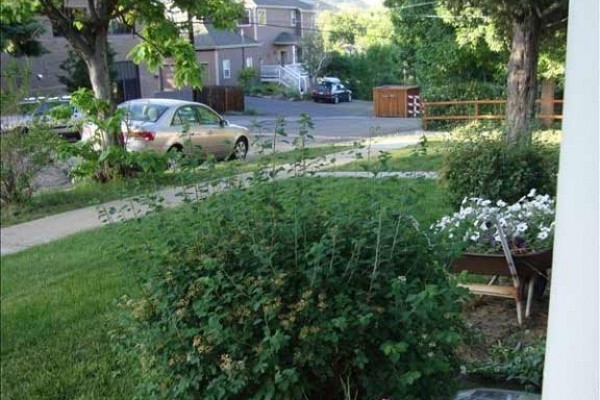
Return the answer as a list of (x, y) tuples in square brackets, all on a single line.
[(332, 122)]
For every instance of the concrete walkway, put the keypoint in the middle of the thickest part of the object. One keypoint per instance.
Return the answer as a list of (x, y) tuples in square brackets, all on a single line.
[(23, 236)]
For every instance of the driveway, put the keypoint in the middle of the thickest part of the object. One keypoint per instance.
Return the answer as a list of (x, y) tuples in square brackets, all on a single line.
[(332, 122)]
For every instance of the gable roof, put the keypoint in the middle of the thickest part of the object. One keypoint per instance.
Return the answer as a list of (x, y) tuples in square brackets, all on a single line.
[(286, 38), (207, 37), (303, 5)]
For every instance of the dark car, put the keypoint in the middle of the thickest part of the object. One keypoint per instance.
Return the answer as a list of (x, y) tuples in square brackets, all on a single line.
[(40, 110), (331, 90)]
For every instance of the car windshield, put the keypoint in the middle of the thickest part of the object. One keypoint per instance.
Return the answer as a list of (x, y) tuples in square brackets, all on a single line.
[(143, 112), (47, 106), (326, 86)]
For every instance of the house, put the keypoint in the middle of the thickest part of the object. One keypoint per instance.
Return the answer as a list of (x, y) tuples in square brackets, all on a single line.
[(131, 81), (267, 39), (279, 26)]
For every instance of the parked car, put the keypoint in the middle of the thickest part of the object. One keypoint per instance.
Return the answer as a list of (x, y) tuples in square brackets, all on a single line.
[(164, 125), (331, 90), (39, 110)]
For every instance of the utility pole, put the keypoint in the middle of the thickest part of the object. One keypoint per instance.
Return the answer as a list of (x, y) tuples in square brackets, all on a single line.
[(195, 91)]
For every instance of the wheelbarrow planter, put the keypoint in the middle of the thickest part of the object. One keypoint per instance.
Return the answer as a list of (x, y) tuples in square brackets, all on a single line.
[(529, 274)]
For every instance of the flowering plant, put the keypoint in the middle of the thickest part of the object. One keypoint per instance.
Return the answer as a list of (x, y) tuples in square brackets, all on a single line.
[(528, 224)]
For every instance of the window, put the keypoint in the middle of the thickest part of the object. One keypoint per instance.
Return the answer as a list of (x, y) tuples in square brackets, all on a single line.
[(261, 16), (185, 115), (116, 27), (207, 117), (248, 62), (226, 69), (293, 17), (246, 20)]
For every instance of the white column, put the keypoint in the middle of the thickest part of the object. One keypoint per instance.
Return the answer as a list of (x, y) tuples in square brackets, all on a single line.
[(294, 54), (571, 369)]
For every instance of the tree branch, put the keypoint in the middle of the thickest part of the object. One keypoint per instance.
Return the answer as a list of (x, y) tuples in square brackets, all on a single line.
[(58, 18), (551, 8), (93, 13)]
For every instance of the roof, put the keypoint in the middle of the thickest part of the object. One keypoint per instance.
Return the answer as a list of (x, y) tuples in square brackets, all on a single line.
[(303, 5), (286, 38), (208, 37)]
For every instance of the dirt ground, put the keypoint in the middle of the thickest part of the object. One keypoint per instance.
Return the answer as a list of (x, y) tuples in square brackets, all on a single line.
[(493, 320)]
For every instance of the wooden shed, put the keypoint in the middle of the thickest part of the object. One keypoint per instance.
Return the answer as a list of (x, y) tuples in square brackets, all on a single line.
[(394, 100)]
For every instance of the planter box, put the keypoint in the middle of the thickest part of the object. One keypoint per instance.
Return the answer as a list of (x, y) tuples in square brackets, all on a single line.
[(529, 265)]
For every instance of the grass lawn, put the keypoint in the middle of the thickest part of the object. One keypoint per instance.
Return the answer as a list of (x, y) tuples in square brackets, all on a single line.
[(57, 300), (93, 193), (404, 160)]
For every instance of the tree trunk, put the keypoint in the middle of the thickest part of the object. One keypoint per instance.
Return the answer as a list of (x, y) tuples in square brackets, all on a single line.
[(97, 63), (522, 82)]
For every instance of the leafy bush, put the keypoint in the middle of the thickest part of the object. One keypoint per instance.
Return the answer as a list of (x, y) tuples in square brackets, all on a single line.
[(521, 363), (278, 296), (247, 78), (22, 156), (480, 164)]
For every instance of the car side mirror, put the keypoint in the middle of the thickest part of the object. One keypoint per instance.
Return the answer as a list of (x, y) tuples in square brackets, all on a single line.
[(224, 122)]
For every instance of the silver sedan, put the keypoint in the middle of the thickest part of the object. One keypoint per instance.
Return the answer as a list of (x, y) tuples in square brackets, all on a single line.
[(164, 125)]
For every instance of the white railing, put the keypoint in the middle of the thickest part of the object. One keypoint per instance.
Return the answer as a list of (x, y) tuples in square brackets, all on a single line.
[(290, 75)]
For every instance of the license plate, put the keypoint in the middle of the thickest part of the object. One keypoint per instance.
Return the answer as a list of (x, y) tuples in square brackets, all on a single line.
[(320, 92)]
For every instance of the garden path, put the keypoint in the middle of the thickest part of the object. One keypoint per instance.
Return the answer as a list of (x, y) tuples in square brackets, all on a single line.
[(23, 236)]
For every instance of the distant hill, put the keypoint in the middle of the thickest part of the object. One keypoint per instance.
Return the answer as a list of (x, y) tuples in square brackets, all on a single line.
[(341, 4)]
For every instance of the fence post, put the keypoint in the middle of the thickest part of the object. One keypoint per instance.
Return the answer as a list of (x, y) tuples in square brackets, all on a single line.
[(424, 106), (476, 110)]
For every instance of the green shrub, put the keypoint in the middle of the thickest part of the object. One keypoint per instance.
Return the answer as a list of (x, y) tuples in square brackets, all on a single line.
[(521, 363), (22, 156), (247, 78), (483, 164), (282, 295)]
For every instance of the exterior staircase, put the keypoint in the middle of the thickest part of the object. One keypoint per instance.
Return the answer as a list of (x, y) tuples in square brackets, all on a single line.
[(290, 75)]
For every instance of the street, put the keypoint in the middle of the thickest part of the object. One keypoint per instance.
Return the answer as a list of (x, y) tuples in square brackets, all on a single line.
[(332, 122)]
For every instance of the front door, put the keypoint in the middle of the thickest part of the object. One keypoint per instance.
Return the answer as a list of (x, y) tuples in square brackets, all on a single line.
[(283, 57)]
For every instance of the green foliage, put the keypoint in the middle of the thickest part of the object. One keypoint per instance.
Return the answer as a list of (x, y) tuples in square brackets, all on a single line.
[(278, 297), (76, 71), (247, 78), (356, 30), (482, 164), (315, 57), (19, 39), (470, 90), (103, 158), (22, 156), (378, 65), (521, 363)]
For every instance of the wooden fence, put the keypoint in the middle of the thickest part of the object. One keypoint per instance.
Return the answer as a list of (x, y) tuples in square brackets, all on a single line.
[(222, 98), (476, 110)]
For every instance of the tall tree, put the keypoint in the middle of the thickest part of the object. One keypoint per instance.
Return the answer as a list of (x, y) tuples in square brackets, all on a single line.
[(158, 23), (527, 23)]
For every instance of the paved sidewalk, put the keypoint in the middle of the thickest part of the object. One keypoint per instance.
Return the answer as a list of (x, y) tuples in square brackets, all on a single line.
[(23, 236)]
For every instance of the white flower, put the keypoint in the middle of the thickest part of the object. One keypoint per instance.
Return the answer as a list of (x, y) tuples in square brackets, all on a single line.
[(542, 235), (531, 193), (522, 227), (402, 278), (475, 237), (500, 203)]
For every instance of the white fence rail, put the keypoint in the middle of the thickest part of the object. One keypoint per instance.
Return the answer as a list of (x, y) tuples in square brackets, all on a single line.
[(291, 76)]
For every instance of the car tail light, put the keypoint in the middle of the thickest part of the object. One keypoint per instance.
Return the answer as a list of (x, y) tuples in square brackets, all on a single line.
[(144, 135)]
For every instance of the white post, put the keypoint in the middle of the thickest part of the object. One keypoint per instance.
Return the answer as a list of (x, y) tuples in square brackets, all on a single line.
[(294, 55), (571, 369)]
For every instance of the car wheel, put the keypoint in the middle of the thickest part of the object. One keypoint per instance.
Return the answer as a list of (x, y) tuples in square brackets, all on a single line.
[(349, 97), (336, 99), (240, 150), (174, 155)]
